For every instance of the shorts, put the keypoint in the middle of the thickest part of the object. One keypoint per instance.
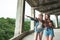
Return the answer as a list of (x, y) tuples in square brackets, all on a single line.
[(49, 32), (38, 30)]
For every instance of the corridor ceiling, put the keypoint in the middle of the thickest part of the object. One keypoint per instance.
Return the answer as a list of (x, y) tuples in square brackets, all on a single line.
[(46, 6)]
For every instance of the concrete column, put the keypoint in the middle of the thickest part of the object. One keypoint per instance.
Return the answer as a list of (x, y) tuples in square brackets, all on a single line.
[(32, 15), (56, 21), (19, 17)]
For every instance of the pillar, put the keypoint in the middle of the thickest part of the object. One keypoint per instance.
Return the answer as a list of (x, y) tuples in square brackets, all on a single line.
[(56, 21), (19, 17), (32, 15)]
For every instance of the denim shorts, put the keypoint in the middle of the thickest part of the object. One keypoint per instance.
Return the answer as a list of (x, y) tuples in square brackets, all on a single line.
[(49, 32), (38, 30)]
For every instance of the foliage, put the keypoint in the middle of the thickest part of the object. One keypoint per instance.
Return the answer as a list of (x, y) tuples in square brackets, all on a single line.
[(58, 25), (26, 26), (7, 27)]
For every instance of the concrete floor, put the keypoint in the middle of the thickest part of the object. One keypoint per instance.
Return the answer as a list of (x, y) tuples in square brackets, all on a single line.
[(56, 32)]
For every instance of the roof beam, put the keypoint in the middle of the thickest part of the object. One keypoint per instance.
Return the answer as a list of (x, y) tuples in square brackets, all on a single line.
[(33, 3), (55, 13), (50, 9), (48, 3), (37, 3)]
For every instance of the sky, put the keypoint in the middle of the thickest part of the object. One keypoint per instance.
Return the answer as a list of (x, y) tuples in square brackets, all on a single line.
[(8, 8)]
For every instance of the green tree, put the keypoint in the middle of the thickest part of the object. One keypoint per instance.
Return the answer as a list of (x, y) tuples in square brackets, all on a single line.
[(7, 27), (26, 26)]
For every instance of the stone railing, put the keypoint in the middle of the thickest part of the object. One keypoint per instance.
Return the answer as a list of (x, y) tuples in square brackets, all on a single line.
[(21, 36)]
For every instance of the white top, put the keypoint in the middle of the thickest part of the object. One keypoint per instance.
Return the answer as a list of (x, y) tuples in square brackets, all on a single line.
[(40, 25)]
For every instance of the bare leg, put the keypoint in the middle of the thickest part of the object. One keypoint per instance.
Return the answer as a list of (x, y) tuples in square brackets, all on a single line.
[(50, 38), (36, 36), (47, 37), (40, 36)]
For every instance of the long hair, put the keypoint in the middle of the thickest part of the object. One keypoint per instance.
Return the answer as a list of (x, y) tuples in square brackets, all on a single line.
[(47, 15)]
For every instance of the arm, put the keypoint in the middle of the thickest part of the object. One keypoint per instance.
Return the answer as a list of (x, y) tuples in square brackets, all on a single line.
[(52, 24), (35, 19), (28, 16)]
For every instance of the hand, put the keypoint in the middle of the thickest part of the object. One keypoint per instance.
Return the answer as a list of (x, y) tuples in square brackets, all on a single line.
[(27, 16)]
